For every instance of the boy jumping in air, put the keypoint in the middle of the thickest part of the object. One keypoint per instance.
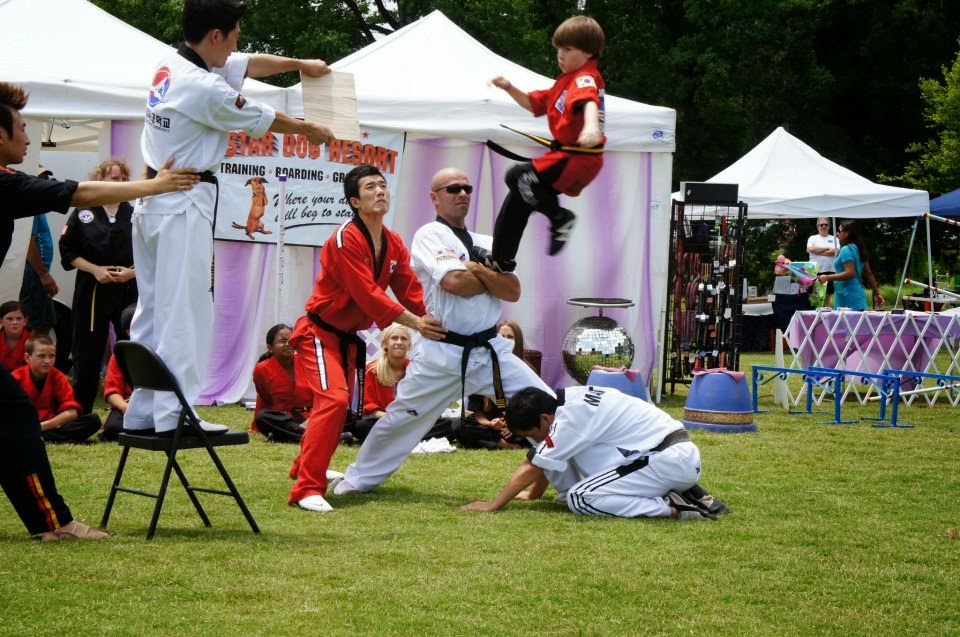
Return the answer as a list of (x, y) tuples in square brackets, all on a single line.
[(575, 113)]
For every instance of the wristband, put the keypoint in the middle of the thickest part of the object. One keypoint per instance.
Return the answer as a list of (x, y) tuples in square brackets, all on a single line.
[(46, 275)]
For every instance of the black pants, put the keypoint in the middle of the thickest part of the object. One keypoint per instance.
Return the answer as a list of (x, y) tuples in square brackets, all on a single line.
[(95, 308), (112, 427), (279, 426), (360, 429), (25, 472), (77, 431), (529, 191)]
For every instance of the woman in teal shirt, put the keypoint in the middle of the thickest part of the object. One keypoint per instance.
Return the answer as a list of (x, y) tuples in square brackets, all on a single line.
[(852, 269)]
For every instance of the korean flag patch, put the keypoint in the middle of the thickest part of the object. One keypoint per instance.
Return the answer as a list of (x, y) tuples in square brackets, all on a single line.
[(585, 81)]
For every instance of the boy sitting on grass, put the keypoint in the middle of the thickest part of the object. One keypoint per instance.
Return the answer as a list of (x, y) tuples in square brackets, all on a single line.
[(50, 392)]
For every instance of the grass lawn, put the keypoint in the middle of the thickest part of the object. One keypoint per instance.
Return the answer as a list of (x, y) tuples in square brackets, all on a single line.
[(836, 530)]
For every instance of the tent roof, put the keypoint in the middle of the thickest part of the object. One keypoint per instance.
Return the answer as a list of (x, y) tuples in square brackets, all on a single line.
[(784, 177), (79, 61), (431, 78), (947, 205)]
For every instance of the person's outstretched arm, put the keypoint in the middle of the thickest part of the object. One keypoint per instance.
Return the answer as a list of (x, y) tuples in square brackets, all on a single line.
[(100, 193), (518, 96), (525, 475), (265, 65)]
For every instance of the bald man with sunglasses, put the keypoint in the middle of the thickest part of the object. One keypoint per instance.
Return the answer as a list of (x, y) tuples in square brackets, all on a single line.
[(467, 297)]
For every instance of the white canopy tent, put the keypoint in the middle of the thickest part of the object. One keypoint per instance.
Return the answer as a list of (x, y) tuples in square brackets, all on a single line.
[(428, 80), (431, 78), (80, 62), (783, 177), (83, 68)]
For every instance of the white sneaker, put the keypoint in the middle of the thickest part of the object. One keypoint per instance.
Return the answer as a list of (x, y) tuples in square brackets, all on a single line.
[(340, 486), (333, 475), (315, 503)]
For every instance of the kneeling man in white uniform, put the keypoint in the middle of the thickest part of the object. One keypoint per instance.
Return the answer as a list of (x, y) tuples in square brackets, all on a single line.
[(606, 453)]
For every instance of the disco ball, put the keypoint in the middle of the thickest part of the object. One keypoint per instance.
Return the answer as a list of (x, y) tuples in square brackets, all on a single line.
[(595, 340)]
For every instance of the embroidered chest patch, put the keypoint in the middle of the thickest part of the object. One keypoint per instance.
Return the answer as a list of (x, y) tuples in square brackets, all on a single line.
[(560, 100)]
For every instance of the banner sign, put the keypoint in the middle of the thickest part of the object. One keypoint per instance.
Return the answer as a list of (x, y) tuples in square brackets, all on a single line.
[(249, 199)]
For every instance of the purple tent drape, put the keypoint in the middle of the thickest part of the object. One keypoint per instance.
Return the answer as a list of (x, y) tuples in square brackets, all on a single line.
[(612, 254)]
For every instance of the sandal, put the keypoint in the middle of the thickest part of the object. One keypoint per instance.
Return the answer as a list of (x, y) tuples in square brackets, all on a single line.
[(74, 531)]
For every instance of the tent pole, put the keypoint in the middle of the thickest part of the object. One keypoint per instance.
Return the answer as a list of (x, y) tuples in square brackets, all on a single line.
[(929, 265), (906, 264), (278, 307)]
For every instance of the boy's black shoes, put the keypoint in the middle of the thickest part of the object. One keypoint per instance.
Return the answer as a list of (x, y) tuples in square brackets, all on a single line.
[(560, 228)]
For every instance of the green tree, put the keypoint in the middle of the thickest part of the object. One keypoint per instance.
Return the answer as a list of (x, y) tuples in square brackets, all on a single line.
[(937, 165)]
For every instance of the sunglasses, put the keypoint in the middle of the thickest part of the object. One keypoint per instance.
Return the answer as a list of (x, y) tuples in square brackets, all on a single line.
[(823, 225), (454, 189)]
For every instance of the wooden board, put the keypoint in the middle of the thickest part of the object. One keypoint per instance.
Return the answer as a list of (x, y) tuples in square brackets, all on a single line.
[(332, 100)]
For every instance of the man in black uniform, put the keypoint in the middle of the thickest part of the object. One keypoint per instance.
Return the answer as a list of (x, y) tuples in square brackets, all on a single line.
[(25, 473)]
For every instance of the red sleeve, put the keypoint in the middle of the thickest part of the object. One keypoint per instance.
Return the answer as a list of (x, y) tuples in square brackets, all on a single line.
[(60, 393), (376, 397), (584, 88), (404, 283), (262, 380), (538, 102), (22, 376), (113, 382), (347, 262), (354, 268), (13, 358)]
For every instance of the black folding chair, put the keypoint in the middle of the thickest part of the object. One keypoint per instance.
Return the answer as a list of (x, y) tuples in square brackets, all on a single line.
[(142, 368)]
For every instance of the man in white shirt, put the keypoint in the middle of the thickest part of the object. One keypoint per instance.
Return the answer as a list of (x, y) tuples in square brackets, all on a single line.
[(467, 298), (822, 249), (193, 104)]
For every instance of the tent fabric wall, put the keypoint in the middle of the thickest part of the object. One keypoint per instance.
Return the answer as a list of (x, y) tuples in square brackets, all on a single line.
[(79, 61), (611, 254), (429, 80), (947, 205)]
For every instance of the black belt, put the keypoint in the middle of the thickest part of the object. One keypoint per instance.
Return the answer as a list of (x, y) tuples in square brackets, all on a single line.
[(206, 176), (469, 342), (552, 144), (673, 438), (346, 339)]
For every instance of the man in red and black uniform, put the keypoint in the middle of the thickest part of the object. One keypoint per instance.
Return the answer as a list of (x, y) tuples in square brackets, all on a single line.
[(358, 262)]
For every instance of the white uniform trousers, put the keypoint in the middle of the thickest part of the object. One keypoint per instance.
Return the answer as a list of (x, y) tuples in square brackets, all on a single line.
[(173, 255), (634, 489), (422, 395)]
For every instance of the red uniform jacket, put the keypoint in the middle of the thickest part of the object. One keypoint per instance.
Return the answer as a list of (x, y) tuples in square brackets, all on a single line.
[(277, 390), (57, 394), (376, 397), (13, 358), (114, 383), (563, 105), (349, 293)]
